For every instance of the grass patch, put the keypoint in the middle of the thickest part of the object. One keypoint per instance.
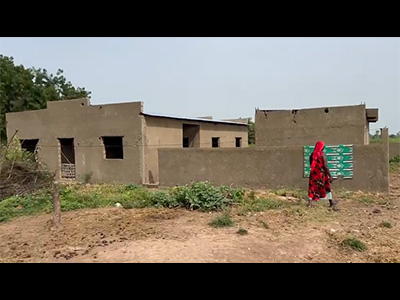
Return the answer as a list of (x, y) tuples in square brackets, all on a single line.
[(222, 221), (366, 200), (200, 195), (385, 224), (354, 244), (242, 231), (17, 206), (259, 205), (394, 164)]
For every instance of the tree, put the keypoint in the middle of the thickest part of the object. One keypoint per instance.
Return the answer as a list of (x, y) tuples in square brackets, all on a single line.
[(251, 132), (29, 89)]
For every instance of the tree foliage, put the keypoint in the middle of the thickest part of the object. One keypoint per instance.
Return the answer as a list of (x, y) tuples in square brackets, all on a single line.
[(251, 132), (30, 88)]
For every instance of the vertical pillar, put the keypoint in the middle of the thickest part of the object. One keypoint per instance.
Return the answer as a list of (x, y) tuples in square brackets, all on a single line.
[(385, 146)]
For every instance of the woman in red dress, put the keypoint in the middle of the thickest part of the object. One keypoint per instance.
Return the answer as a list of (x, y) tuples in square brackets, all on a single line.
[(319, 184)]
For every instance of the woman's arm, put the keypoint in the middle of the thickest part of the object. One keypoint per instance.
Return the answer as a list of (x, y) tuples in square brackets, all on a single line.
[(325, 166)]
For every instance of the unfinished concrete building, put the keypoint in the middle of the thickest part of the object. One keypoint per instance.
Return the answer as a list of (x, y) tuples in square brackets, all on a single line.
[(333, 125), (114, 142)]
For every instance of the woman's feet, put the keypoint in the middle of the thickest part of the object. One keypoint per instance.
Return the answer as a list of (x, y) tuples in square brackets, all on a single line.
[(333, 204)]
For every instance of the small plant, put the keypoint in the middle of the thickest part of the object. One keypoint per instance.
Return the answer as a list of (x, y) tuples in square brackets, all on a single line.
[(130, 187), (395, 159), (242, 231), (222, 221), (386, 224), (354, 244), (86, 177), (235, 195)]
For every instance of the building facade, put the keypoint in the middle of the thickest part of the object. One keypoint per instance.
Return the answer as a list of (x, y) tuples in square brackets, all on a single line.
[(333, 125), (114, 142)]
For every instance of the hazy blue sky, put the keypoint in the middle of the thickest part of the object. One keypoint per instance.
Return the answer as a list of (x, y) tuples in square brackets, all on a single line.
[(225, 77)]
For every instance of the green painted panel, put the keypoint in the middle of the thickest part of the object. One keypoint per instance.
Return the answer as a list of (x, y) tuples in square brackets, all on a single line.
[(340, 160)]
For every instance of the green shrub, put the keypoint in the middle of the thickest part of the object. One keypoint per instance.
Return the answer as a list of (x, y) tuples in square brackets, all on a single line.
[(199, 195), (163, 199), (235, 195), (354, 244), (17, 206), (394, 163), (204, 196), (395, 159), (222, 221), (181, 194)]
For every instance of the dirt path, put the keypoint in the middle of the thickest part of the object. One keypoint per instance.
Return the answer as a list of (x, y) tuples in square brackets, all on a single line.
[(294, 234)]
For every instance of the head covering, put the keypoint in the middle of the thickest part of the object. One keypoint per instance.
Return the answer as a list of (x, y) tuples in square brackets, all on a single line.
[(319, 146)]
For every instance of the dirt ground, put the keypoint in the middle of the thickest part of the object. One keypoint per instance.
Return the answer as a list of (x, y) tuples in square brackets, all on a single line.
[(294, 234)]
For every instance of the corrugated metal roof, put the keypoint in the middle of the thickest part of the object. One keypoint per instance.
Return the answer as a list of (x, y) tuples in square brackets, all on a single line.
[(193, 119)]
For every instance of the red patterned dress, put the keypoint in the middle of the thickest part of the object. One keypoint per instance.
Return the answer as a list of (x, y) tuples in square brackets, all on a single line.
[(318, 184)]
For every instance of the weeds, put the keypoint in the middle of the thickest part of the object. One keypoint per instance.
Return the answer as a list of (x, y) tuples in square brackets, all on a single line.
[(354, 244), (394, 164), (222, 221), (386, 224), (242, 231)]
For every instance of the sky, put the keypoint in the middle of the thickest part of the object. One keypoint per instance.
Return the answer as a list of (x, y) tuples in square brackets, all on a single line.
[(225, 77)]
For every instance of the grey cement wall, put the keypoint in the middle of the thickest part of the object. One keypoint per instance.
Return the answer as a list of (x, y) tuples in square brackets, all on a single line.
[(86, 124), (340, 125), (168, 133), (266, 168), (394, 149)]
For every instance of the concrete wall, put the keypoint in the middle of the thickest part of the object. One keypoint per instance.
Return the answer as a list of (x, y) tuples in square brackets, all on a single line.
[(394, 149), (337, 125), (168, 133), (86, 124), (269, 167)]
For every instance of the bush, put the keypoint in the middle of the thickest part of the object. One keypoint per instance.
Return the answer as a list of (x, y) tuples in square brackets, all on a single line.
[(200, 195), (204, 196), (181, 194), (20, 172), (163, 199), (235, 195)]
